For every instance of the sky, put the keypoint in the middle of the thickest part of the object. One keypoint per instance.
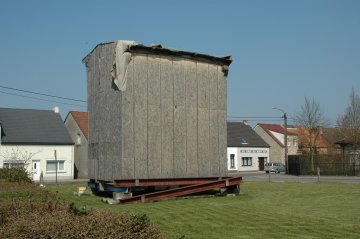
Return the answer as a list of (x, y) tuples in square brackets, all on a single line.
[(282, 50)]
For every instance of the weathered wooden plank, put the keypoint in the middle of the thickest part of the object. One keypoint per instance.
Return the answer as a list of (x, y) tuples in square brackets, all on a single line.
[(191, 142), (100, 162), (213, 83), (153, 80), (127, 126), (179, 118), (140, 115), (180, 141), (191, 84), (167, 118), (108, 112), (222, 100), (99, 112), (191, 91), (91, 162), (114, 100), (96, 97), (214, 158), (154, 142), (213, 121), (203, 85), (203, 142), (127, 168), (89, 74), (179, 82), (154, 119), (108, 151), (222, 143)]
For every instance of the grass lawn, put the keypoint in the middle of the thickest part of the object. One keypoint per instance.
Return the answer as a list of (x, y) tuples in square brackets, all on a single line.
[(264, 210)]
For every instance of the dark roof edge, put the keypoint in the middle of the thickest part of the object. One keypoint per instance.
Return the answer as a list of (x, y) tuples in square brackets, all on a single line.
[(36, 143), (159, 50)]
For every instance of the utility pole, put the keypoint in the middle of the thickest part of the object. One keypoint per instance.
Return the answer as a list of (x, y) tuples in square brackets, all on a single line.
[(56, 165), (286, 144), (285, 139)]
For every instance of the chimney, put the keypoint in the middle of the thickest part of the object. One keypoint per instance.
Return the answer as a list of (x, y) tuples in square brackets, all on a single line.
[(56, 109)]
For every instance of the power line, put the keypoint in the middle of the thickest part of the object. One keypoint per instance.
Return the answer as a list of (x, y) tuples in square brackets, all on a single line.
[(36, 93), (41, 99)]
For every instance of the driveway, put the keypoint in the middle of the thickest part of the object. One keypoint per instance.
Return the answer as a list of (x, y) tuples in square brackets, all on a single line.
[(282, 177)]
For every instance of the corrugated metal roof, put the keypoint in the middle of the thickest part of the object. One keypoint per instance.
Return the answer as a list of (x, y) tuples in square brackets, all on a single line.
[(28, 126), (242, 135)]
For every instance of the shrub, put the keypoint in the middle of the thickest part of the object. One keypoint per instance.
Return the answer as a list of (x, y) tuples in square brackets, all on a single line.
[(41, 215), (14, 175)]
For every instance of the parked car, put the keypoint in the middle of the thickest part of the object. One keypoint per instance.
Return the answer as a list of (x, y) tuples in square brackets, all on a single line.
[(274, 167)]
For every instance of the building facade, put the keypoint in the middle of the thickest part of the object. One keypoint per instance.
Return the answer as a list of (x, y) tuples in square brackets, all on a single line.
[(273, 134), (246, 150), (77, 126), (38, 141)]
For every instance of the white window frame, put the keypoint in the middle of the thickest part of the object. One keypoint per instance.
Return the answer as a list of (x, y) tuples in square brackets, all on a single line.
[(232, 161), (14, 164), (248, 161), (59, 162)]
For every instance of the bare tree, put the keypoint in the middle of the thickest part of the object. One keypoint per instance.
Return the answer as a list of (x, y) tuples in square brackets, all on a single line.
[(310, 120), (349, 122), (17, 157)]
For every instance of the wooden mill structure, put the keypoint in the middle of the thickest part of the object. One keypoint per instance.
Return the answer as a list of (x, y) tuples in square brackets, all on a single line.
[(155, 113)]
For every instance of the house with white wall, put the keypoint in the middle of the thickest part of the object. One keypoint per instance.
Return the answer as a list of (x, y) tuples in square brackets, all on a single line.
[(38, 141), (77, 125), (246, 150)]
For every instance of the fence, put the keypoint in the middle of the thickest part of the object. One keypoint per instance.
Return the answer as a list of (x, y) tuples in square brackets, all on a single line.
[(328, 165)]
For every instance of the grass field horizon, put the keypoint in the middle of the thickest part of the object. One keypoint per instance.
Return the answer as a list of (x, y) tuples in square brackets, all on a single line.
[(263, 210)]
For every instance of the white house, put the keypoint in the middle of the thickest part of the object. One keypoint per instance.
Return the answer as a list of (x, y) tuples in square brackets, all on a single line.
[(38, 141), (246, 150), (77, 126)]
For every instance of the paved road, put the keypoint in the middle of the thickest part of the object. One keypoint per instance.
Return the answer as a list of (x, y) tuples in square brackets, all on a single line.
[(262, 176), (282, 177)]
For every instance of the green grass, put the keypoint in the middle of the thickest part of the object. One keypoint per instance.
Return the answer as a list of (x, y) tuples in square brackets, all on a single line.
[(264, 210)]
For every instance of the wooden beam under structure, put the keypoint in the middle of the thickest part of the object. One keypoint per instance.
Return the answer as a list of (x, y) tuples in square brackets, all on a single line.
[(186, 190)]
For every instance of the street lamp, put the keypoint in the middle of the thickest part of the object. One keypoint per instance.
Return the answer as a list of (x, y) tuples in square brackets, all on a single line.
[(285, 138)]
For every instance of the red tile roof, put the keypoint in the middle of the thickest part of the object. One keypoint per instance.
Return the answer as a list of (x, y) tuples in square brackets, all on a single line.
[(320, 141), (278, 129), (81, 119)]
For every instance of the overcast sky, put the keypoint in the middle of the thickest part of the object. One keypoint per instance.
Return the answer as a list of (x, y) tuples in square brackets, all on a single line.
[(283, 51)]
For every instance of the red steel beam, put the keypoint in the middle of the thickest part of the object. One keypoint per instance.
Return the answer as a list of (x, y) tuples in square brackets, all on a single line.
[(176, 192), (165, 181)]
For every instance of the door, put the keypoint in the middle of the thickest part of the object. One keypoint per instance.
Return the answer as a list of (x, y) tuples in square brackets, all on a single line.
[(261, 163), (36, 170)]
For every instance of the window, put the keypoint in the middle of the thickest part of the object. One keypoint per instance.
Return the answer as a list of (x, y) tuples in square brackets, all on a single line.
[(232, 160), (243, 141), (14, 164), (55, 165), (246, 161)]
